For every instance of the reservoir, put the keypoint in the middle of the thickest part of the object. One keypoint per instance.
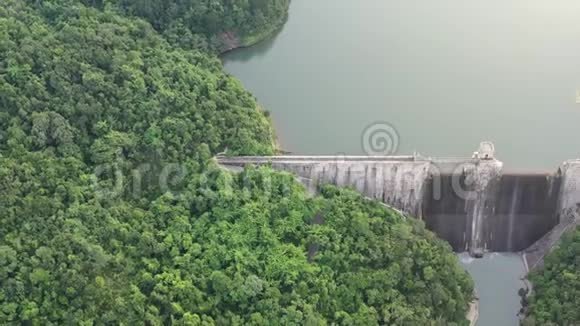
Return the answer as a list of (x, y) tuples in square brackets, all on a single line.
[(444, 75)]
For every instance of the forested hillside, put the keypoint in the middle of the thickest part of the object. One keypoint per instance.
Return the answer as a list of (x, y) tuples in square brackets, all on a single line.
[(113, 212), (215, 25), (116, 79), (556, 288)]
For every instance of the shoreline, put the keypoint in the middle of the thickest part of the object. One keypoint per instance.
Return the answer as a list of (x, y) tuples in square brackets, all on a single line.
[(250, 40), (473, 313)]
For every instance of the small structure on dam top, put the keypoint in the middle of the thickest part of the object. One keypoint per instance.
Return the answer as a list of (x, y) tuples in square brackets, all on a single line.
[(472, 203), (486, 151)]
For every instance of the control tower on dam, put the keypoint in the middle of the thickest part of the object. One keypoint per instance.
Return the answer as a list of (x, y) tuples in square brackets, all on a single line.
[(473, 203)]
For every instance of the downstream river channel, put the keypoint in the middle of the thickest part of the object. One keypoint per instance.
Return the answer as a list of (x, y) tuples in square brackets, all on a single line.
[(444, 75)]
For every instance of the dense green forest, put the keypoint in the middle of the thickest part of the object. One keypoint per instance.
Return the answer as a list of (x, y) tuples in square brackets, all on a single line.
[(556, 288), (112, 210), (105, 77), (216, 25)]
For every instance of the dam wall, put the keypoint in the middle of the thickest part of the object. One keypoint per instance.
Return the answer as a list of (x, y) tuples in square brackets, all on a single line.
[(567, 214), (472, 203), (397, 181), (462, 198), (510, 213)]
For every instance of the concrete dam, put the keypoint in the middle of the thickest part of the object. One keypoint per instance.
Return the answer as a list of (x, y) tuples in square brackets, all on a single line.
[(472, 203)]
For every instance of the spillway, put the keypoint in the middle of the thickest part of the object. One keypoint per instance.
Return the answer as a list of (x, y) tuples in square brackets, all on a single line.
[(510, 214)]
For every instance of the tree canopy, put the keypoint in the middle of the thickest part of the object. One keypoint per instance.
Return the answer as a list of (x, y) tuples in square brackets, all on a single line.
[(229, 250), (215, 25), (90, 75), (112, 210), (556, 287)]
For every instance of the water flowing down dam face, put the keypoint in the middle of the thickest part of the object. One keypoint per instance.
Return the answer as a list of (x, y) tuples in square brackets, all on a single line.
[(446, 213), (473, 204), (511, 213), (525, 211)]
